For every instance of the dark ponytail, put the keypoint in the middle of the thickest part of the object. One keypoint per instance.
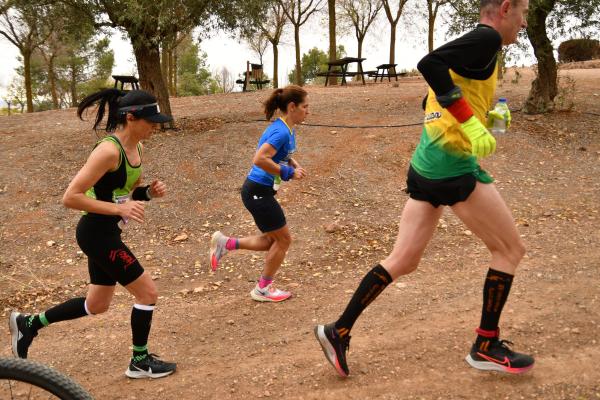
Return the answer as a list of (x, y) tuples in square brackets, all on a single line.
[(110, 96), (280, 98)]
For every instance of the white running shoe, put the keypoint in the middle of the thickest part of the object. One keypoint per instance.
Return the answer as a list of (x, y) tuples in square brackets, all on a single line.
[(269, 293), (217, 249)]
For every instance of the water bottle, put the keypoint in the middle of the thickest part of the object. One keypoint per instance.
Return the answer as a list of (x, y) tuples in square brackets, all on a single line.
[(499, 125), (276, 182)]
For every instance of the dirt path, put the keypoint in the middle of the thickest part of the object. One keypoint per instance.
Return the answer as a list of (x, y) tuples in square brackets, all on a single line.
[(410, 343)]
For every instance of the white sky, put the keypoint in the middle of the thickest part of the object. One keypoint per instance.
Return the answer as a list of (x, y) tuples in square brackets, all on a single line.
[(223, 51)]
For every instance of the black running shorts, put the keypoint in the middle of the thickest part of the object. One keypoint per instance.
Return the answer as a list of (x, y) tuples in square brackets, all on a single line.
[(109, 259), (265, 209), (446, 192)]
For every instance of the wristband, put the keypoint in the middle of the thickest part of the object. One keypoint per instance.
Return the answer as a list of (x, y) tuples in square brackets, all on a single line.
[(286, 172), (141, 193), (461, 110), (447, 99)]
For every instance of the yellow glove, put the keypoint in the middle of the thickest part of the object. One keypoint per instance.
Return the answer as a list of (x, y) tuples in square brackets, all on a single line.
[(482, 142), (492, 115)]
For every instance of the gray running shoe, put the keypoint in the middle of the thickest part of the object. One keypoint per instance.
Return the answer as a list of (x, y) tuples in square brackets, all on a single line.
[(217, 249)]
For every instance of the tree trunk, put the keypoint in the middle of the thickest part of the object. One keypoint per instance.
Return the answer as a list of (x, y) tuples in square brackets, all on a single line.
[(73, 84), (543, 88), (359, 65), (430, 32), (27, 75), (360, 43), (174, 72), (392, 43), (501, 63), (169, 77), (298, 65), (52, 81), (151, 79), (164, 59), (332, 38), (275, 65)]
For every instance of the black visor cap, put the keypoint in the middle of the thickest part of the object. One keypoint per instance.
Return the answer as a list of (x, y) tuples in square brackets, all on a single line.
[(143, 105)]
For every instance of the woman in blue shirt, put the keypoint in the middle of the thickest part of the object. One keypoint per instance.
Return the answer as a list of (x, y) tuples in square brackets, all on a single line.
[(272, 164)]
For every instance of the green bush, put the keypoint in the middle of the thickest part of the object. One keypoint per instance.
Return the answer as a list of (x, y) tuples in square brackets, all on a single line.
[(578, 50)]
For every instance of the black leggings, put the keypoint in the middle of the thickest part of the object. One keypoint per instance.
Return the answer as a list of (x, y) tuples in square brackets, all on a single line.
[(109, 259)]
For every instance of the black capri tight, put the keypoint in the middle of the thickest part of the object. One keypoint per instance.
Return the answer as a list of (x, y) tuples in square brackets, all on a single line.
[(109, 259)]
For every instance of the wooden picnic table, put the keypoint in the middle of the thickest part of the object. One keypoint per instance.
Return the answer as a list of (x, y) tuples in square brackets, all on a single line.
[(343, 63), (126, 79), (387, 71)]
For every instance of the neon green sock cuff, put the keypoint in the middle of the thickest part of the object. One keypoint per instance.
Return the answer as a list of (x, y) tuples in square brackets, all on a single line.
[(140, 349), (43, 320)]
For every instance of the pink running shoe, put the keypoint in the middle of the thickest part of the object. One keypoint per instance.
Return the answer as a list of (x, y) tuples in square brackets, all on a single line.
[(269, 293), (217, 249)]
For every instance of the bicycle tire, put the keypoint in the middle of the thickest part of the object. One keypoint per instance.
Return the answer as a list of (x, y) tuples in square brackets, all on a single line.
[(43, 377)]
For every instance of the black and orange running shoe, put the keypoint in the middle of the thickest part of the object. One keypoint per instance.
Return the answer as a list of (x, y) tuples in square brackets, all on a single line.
[(334, 347), (493, 354)]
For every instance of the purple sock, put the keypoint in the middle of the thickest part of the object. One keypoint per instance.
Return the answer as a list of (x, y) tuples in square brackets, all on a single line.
[(264, 281), (232, 244)]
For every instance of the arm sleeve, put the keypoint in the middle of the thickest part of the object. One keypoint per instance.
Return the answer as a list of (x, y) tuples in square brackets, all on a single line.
[(472, 55)]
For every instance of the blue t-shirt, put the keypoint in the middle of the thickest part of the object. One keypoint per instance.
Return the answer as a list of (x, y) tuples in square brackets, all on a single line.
[(278, 135)]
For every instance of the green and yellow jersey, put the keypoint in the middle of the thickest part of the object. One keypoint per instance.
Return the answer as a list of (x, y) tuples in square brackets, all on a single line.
[(469, 62)]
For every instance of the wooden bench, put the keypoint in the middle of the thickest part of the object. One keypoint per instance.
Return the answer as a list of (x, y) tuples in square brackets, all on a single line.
[(337, 73), (253, 76)]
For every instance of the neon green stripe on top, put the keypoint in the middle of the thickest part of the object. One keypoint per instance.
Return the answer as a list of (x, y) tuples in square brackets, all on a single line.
[(111, 187)]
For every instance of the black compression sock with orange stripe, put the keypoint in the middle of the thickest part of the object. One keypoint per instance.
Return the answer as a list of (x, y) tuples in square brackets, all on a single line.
[(374, 282), (495, 292)]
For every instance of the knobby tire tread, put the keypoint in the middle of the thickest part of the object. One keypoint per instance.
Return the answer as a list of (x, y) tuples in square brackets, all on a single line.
[(43, 377)]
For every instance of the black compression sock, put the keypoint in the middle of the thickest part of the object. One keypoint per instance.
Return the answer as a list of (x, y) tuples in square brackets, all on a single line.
[(70, 309), (374, 282), (141, 320), (495, 292)]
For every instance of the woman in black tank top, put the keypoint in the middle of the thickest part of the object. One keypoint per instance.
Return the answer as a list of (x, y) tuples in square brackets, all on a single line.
[(107, 189)]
